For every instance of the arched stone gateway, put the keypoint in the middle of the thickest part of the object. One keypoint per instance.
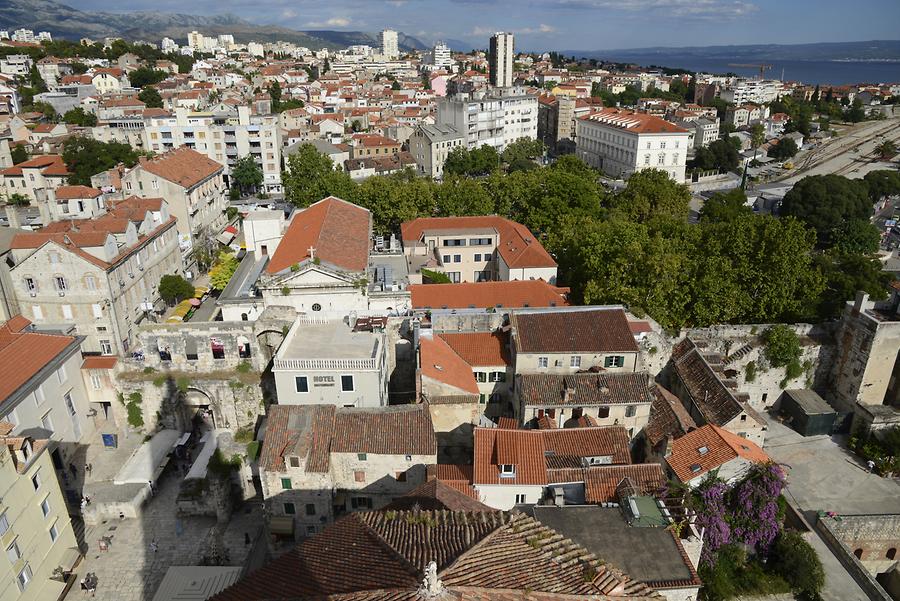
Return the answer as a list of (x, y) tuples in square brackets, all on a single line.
[(197, 404)]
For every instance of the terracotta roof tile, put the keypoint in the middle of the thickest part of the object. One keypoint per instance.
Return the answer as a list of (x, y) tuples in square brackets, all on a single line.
[(482, 295), (393, 430), (708, 448), (68, 192), (480, 556), (480, 349), (338, 230), (585, 331), (23, 354), (96, 362), (437, 495), (668, 417), (632, 121), (518, 246), (600, 482), (440, 362), (183, 166), (585, 389), (612, 441), (708, 393)]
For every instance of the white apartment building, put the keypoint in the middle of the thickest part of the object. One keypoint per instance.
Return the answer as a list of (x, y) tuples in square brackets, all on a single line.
[(440, 56), (16, 65), (223, 138), (757, 91), (390, 47), (100, 275), (430, 145), (35, 528), (502, 51), (620, 142), (326, 362), (193, 186), (494, 120)]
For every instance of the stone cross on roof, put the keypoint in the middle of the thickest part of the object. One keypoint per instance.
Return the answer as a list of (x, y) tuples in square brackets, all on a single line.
[(431, 587)]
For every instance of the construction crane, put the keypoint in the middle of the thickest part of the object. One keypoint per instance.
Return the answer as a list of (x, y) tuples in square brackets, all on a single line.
[(762, 68)]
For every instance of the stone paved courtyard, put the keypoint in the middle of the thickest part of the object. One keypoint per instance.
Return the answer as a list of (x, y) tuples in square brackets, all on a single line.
[(131, 571)]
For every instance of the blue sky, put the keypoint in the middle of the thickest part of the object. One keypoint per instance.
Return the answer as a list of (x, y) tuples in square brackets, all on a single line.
[(565, 24)]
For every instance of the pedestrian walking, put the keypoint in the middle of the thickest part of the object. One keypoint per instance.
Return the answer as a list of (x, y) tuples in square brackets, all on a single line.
[(871, 465)]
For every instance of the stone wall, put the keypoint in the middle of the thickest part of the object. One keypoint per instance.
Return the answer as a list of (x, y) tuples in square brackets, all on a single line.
[(853, 566), (874, 539)]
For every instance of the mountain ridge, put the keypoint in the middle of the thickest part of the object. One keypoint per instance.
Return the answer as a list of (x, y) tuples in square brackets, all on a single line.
[(66, 22)]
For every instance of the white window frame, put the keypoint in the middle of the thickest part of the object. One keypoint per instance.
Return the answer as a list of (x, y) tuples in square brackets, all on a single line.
[(352, 383), (36, 480), (61, 374), (39, 396), (507, 470), (14, 546), (543, 362), (4, 524), (45, 506), (96, 384), (106, 347), (53, 531), (67, 312), (575, 361), (23, 582)]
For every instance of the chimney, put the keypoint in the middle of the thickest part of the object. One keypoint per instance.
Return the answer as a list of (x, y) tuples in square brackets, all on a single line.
[(12, 214), (861, 303)]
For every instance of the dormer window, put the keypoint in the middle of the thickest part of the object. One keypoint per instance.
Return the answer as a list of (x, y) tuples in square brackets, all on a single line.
[(507, 470)]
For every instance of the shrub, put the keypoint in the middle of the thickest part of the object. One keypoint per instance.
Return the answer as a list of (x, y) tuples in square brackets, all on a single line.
[(223, 467), (182, 384), (244, 367), (244, 434), (252, 450), (159, 381), (750, 371), (796, 561), (434, 277), (782, 345), (149, 370), (295, 267), (135, 412), (286, 290)]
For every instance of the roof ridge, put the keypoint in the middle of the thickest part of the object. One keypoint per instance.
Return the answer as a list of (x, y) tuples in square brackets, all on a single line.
[(358, 516), (500, 516)]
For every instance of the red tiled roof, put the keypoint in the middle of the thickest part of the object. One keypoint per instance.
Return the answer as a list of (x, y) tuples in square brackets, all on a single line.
[(668, 417), (480, 349), (632, 121), (69, 192), (338, 230), (436, 495), (523, 448), (23, 353), (481, 295), (585, 331), (183, 166), (440, 362), (392, 430), (518, 246), (49, 164), (96, 362), (480, 556), (721, 446), (563, 443), (585, 389), (600, 481)]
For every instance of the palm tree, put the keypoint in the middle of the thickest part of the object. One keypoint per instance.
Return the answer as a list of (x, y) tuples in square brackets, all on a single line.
[(886, 150)]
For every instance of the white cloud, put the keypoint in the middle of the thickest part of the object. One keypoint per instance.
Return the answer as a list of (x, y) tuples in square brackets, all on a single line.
[(332, 22), (288, 13), (720, 9), (542, 28)]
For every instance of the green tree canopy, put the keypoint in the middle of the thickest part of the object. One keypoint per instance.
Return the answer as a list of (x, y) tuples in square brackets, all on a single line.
[(174, 288), (782, 345), (719, 154), (85, 157), (310, 177), (882, 183), (220, 273), (785, 149), (652, 193), (145, 76), (150, 96), (824, 202), (523, 148), (725, 206), (78, 116), (246, 173), (798, 563), (19, 153)]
